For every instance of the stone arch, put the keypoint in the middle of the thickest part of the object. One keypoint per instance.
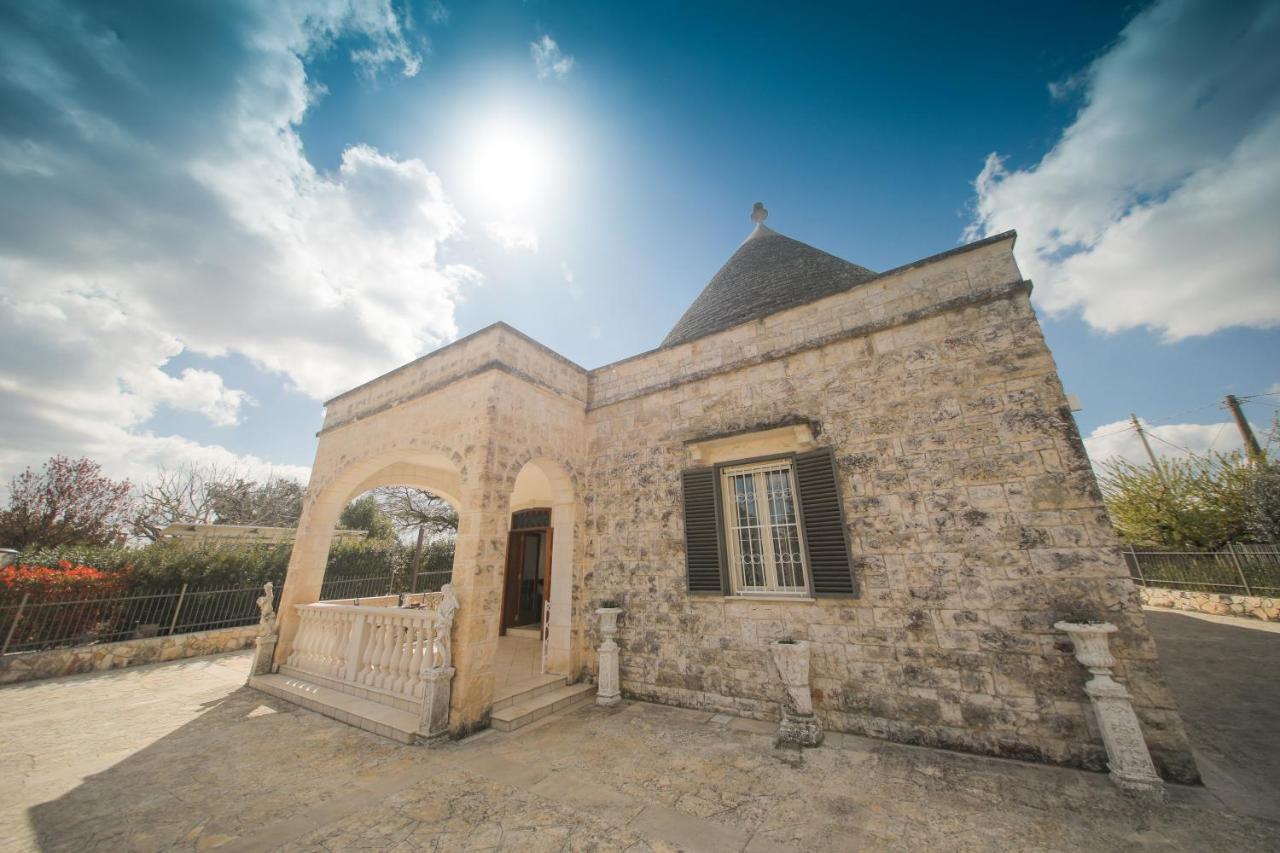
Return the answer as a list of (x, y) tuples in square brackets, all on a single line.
[(536, 479), (424, 464)]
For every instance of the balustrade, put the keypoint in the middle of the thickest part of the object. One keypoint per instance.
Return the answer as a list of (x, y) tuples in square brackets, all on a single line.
[(379, 648)]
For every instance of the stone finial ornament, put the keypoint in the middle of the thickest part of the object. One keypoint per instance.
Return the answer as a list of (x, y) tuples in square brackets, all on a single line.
[(1127, 755), (444, 627), (266, 608), (608, 684), (264, 654), (759, 213)]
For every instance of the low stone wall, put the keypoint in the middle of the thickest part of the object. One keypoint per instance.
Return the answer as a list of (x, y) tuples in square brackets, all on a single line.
[(1216, 603), (30, 666)]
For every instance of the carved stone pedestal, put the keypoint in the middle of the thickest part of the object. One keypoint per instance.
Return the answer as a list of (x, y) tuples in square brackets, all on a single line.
[(799, 725), (434, 722), (1127, 755), (608, 685), (264, 655)]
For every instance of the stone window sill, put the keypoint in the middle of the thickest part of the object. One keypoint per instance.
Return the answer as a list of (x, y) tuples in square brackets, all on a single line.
[(773, 599)]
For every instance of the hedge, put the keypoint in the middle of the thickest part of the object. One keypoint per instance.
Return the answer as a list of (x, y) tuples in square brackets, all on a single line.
[(167, 565)]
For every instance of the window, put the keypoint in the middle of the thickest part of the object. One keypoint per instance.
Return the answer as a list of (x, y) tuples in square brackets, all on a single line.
[(762, 529)]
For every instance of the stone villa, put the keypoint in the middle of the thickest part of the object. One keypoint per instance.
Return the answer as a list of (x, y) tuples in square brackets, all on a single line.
[(882, 464)]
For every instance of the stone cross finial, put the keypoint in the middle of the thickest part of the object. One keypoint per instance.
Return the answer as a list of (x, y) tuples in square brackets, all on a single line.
[(759, 213)]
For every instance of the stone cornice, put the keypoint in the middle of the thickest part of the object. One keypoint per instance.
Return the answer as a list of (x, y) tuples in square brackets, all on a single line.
[(488, 366), (980, 297)]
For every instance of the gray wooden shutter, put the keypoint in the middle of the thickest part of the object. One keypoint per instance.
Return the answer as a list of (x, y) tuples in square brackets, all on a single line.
[(825, 539), (702, 531)]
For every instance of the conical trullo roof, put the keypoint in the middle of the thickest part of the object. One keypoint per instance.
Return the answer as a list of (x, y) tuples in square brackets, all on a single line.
[(768, 272)]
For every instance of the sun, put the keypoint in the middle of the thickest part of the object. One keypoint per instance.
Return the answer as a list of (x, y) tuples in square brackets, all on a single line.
[(510, 165)]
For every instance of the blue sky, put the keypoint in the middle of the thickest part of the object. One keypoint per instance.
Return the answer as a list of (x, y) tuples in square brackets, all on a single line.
[(230, 212)]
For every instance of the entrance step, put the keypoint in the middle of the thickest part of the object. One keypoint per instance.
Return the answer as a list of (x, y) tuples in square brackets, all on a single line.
[(540, 704), (365, 714), (532, 632)]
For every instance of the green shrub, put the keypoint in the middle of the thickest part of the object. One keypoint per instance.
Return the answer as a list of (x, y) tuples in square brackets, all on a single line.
[(166, 565)]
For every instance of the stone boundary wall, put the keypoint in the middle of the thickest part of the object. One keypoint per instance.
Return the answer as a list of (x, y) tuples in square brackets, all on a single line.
[(32, 666), (1215, 603)]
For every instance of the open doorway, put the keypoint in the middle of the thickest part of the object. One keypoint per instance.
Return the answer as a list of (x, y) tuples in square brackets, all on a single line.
[(527, 586)]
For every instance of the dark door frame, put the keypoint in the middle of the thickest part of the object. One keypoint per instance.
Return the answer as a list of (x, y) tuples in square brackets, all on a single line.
[(547, 535)]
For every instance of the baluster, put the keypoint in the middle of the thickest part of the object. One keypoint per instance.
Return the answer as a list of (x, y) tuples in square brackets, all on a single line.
[(338, 643), (298, 639), (415, 660), (330, 631), (388, 648), (373, 651), (380, 651), (408, 668), (345, 621), (355, 649), (298, 658), (392, 680)]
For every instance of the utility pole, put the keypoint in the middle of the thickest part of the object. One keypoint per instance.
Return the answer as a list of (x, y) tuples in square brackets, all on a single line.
[(1137, 427), (1246, 432)]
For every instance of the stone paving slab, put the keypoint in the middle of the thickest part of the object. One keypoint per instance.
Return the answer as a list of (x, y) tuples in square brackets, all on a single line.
[(183, 756)]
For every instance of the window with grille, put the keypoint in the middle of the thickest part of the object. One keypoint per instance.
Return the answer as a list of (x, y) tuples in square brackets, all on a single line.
[(761, 529)]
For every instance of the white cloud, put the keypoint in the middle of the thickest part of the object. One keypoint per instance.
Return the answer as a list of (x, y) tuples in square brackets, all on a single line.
[(1159, 206), (153, 206), (1168, 441), (513, 236), (548, 60)]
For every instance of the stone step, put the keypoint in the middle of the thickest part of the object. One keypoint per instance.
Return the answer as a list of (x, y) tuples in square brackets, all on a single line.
[(535, 686), (525, 633), (365, 714), (536, 707)]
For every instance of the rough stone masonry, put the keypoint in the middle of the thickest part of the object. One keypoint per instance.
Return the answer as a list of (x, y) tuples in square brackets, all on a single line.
[(972, 516)]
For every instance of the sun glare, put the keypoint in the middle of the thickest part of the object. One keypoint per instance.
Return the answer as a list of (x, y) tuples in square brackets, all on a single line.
[(510, 166)]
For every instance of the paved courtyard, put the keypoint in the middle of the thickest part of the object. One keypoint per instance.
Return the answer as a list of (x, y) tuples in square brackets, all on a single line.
[(183, 756)]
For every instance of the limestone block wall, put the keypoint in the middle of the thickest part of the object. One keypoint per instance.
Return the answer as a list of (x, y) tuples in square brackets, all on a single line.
[(461, 422), (973, 515), (31, 666), (1214, 603), (498, 345)]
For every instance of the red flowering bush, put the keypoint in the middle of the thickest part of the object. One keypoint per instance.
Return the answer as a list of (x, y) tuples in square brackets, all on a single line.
[(63, 582), (66, 602)]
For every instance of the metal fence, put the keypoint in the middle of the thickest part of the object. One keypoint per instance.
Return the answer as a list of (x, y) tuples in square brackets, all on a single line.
[(1239, 569), (53, 623), (376, 585)]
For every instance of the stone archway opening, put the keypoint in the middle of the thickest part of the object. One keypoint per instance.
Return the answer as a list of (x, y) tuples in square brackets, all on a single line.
[(536, 600), (391, 539), (306, 581)]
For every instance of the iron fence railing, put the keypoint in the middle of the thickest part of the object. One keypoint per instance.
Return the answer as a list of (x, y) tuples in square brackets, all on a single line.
[(31, 625), (1251, 569), (53, 623), (357, 587)]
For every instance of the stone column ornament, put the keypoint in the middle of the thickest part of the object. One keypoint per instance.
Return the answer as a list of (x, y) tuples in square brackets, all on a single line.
[(268, 632), (1127, 755), (799, 725), (608, 685), (438, 670)]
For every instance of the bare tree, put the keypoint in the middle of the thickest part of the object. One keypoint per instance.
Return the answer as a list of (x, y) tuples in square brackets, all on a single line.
[(418, 510), (276, 502), (215, 494), (179, 496)]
